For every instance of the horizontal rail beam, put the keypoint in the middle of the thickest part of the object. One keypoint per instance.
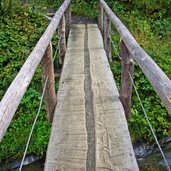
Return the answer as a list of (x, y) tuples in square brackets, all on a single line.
[(158, 79), (15, 92)]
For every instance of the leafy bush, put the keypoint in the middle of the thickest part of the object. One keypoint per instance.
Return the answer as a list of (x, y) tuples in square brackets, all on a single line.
[(153, 35), (85, 8), (19, 33)]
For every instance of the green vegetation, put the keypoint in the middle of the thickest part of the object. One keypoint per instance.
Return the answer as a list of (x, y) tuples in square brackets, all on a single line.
[(22, 24), (85, 8), (20, 29), (153, 34)]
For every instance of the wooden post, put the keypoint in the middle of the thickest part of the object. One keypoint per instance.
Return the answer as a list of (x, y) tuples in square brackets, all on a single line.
[(62, 41), (100, 17), (68, 21), (158, 79), (126, 83), (48, 71), (15, 92), (106, 34)]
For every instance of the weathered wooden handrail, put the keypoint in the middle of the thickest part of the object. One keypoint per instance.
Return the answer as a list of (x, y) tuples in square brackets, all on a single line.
[(158, 79), (15, 92)]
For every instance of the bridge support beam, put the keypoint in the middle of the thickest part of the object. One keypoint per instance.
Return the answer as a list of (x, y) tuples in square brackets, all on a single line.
[(127, 69), (106, 36), (48, 71), (62, 40)]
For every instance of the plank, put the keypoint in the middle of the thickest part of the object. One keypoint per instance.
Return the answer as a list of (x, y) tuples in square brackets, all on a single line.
[(113, 144), (89, 130), (67, 148)]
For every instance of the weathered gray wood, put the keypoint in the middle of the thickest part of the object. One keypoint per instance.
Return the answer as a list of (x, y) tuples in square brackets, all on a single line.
[(113, 145), (68, 21), (15, 92), (100, 141), (62, 40), (106, 36), (127, 67), (48, 71), (158, 79), (67, 149), (100, 17)]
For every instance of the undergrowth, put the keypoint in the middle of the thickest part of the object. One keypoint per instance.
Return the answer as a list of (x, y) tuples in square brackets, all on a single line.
[(153, 34), (19, 32)]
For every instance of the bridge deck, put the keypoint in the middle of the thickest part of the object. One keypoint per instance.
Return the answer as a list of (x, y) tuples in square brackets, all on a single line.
[(89, 130)]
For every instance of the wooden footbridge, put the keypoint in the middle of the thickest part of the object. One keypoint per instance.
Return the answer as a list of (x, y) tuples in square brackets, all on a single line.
[(89, 129)]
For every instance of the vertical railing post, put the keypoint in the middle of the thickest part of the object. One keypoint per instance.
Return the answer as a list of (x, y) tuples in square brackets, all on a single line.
[(100, 17), (62, 41), (127, 69), (106, 36), (68, 21), (48, 71)]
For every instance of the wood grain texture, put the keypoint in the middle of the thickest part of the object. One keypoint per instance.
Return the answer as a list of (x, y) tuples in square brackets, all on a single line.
[(15, 92), (113, 145), (158, 79), (67, 149), (127, 67), (82, 88), (48, 71)]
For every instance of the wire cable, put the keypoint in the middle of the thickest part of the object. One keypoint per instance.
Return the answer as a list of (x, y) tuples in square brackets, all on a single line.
[(146, 116), (31, 132), (113, 44), (57, 48)]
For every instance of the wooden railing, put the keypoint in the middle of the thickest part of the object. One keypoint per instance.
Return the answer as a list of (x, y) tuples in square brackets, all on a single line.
[(131, 49), (42, 52)]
